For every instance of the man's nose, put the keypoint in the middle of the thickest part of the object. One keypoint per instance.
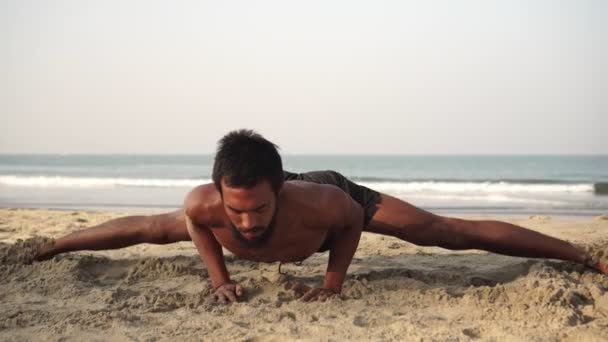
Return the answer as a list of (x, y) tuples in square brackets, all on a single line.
[(247, 221)]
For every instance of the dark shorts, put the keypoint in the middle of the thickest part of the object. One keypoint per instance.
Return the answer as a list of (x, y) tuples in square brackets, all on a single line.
[(366, 197)]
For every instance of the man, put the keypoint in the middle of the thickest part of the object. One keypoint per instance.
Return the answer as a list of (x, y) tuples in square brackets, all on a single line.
[(259, 212)]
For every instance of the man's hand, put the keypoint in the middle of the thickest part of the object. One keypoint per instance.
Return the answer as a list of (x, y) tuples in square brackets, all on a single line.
[(309, 294), (228, 293)]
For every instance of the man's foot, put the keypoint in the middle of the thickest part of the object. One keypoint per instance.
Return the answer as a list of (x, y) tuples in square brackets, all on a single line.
[(595, 256), (44, 251), (600, 267), (27, 251)]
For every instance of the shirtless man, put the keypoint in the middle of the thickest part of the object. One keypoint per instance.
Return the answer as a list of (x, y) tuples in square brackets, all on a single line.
[(259, 212)]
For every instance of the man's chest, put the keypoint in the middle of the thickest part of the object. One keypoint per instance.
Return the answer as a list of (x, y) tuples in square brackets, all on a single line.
[(288, 243)]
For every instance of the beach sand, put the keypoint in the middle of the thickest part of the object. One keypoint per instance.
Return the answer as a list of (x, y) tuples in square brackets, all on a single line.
[(394, 291)]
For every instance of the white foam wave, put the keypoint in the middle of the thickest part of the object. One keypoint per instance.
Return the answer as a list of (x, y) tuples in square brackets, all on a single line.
[(85, 182), (477, 187), (388, 187), (488, 198)]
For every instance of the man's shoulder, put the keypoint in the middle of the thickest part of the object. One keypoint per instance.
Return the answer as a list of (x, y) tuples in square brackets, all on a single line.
[(202, 202)]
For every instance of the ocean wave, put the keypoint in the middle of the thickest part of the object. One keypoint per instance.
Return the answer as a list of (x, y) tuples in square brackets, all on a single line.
[(405, 187), (478, 187), (459, 180), (86, 182), (491, 198)]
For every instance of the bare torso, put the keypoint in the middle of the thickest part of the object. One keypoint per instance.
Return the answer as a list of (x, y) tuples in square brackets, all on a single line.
[(306, 218)]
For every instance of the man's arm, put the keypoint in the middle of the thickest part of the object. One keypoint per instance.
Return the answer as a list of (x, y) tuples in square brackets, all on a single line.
[(119, 233), (210, 252), (345, 239)]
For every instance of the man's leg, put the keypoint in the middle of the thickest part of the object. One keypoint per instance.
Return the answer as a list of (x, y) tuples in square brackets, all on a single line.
[(122, 232), (397, 218)]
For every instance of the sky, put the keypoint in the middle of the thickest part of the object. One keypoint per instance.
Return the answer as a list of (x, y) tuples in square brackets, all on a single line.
[(315, 77)]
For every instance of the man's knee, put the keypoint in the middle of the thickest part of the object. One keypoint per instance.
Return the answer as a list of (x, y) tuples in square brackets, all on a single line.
[(439, 232), (454, 234)]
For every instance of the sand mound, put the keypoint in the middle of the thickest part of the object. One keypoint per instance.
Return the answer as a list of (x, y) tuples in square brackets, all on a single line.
[(403, 293), (516, 298)]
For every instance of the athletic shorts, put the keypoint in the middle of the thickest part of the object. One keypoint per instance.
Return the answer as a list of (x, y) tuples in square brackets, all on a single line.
[(366, 197)]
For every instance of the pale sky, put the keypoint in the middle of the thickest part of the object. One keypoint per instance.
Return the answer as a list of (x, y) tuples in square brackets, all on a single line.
[(391, 77)]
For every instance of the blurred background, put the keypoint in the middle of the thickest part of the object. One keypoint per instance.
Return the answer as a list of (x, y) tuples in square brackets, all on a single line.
[(468, 106)]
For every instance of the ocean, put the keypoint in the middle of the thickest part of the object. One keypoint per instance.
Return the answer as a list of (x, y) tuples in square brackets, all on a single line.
[(553, 185)]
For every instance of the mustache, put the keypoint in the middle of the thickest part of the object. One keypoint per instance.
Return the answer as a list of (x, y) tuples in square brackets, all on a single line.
[(255, 229), (262, 233)]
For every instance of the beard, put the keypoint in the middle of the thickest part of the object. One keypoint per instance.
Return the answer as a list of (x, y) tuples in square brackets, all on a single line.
[(259, 240)]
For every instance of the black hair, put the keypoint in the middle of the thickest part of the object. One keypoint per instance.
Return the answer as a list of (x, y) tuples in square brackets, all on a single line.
[(244, 158)]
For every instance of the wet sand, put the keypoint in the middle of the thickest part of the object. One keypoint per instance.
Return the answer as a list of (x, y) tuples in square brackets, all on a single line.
[(394, 291)]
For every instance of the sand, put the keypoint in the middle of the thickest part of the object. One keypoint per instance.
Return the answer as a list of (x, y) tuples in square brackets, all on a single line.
[(394, 291)]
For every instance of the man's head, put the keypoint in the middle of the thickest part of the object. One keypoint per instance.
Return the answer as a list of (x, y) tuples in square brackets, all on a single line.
[(248, 173)]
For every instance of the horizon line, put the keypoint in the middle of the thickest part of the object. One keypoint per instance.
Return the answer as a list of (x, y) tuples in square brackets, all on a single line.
[(317, 154)]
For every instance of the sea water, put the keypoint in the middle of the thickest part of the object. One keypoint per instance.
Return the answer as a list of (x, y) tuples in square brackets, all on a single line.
[(568, 185)]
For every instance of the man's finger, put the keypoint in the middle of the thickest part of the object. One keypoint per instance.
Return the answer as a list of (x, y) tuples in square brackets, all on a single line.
[(239, 291), (299, 293), (220, 297), (230, 295), (324, 296), (310, 295), (332, 295), (321, 297)]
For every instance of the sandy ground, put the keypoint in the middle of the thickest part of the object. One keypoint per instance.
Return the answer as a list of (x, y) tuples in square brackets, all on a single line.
[(394, 291)]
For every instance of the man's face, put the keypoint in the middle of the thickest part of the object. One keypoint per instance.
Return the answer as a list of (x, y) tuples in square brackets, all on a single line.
[(251, 211)]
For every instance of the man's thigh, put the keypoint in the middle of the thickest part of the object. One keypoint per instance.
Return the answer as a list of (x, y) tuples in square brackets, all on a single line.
[(398, 218), (172, 226)]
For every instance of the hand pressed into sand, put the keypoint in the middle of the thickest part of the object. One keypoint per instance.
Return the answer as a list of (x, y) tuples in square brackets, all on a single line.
[(228, 293), (211, 254), (341, 251)]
